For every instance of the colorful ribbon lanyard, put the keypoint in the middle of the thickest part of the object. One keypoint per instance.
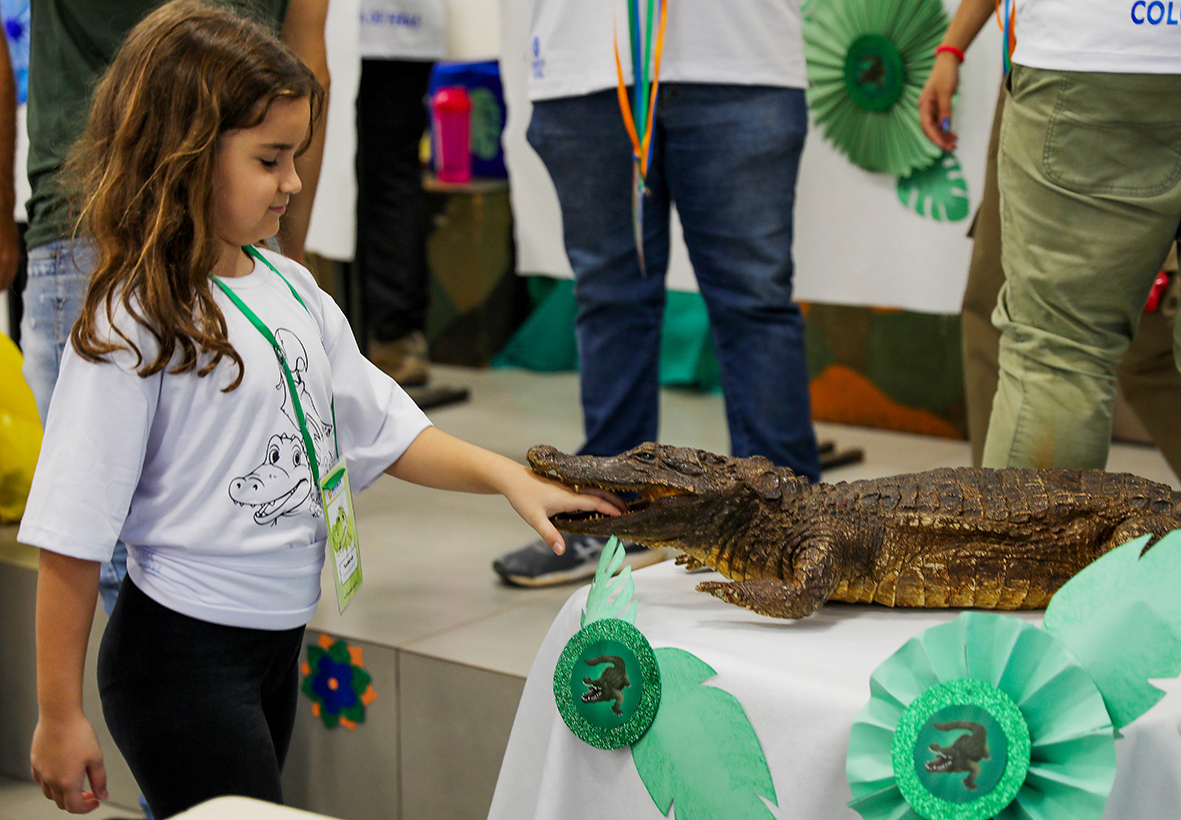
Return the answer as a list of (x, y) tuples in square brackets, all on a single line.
[(1006, 26), (640, 115), (270, 337)]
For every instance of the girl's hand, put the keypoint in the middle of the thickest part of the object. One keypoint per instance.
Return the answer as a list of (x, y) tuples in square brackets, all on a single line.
[(64, 757), (535, 499), (935, 101)]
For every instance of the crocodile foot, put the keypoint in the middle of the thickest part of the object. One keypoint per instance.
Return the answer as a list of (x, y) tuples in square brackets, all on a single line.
[(690, 563), (766, 596)]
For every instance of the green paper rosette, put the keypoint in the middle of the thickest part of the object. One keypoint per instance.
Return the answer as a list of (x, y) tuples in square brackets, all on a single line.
[(984, 716), (867, 63)]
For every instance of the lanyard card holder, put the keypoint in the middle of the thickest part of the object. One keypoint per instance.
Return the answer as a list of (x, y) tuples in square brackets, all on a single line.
[(342, 533)]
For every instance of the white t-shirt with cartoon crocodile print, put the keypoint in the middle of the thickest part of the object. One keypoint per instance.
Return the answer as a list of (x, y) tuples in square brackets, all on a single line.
[(211, 490)]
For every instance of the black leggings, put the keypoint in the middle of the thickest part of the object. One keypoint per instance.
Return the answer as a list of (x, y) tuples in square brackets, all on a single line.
[(197, 709)]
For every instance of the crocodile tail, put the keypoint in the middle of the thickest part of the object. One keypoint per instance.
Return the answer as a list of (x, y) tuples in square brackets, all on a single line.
[(614, 660), (969, 726)]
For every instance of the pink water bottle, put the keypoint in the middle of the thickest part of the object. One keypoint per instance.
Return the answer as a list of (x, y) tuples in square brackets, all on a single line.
[(451, 108)]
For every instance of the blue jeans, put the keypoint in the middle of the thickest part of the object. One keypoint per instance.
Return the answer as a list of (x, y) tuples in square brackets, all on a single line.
[(58, 273), (728, 157)]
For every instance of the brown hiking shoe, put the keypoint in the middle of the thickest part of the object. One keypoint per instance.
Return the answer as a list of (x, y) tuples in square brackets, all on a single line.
[(404, 360)]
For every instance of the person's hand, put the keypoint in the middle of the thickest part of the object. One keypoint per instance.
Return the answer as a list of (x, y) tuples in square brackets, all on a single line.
[(65, 755), (935, 101), (535, 499)]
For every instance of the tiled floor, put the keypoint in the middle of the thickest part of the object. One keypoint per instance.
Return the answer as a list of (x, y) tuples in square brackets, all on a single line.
[(429, 589)]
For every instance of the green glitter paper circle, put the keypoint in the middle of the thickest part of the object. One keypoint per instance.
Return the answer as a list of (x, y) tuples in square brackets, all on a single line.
[(596, 723), (936, 701), (875, 74)]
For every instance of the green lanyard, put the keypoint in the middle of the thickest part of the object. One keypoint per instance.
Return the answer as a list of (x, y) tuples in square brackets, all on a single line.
[(270, 337)]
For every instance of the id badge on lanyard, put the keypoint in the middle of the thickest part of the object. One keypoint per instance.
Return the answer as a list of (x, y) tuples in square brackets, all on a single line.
[(335, 493)]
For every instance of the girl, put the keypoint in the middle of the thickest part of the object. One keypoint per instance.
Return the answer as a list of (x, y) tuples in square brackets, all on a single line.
[(208, 388)]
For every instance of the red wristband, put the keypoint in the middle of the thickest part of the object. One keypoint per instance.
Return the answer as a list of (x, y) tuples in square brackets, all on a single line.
[(957, 52)]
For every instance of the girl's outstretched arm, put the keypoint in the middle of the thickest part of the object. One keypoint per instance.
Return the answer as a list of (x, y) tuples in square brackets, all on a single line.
[(65, 753), (436, 459)]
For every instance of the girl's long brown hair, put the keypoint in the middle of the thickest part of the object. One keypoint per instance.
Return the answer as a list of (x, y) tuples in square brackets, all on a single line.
[(142, 175)]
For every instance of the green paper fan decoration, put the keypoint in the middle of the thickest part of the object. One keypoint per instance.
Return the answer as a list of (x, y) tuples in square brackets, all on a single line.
[(867, 63), (937, 191), (1048, 756)]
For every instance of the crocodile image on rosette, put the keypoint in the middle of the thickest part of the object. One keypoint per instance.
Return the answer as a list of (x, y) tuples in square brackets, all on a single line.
[(952, 537), (963, 756), (609, 685)]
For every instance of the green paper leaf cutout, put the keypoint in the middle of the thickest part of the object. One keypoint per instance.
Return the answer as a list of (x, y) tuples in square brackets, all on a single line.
[(609, 598), (701, 754), (1121, 617), (938, 191), (867, 63)]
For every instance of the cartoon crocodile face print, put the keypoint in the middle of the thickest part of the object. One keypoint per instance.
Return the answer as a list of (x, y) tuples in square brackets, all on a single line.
[(280, 485), (609, 685), (964, 754)]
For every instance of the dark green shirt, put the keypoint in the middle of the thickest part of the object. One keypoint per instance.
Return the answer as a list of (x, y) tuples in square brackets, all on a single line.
[(71, 42)]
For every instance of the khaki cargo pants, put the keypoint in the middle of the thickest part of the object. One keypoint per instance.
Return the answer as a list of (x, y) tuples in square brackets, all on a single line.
[(1090, 179)]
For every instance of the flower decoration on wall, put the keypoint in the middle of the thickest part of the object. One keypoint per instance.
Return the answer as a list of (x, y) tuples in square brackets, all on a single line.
[(867, 63), (337, 683), (990, 716)]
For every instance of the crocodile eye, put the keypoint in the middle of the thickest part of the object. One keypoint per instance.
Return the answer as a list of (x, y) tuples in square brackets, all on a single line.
[(298, 458), (646, 456), (273, 455)]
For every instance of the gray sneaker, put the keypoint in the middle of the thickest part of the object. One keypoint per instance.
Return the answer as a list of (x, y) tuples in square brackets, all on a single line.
[(536, 565)]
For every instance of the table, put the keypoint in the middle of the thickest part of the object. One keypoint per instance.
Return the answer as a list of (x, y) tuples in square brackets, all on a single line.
[(245, 808), (801, 684)]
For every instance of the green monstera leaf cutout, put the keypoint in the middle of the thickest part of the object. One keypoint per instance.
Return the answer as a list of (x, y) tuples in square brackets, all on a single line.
[(701, 754), (938, 190)]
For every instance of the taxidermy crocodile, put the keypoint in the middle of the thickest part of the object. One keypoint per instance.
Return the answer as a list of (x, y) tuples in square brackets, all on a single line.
[(966, 537)]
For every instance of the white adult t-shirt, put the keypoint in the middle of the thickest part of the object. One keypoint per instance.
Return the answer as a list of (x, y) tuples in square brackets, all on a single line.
[(403, 29), (211, 490), (738, 42), (1116, 36)]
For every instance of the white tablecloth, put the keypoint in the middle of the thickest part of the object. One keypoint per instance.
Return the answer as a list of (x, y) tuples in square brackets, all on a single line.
[(801, 684)]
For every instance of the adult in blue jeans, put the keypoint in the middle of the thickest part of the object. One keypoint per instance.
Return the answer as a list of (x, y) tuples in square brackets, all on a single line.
[(729, 130), (71, 43)]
